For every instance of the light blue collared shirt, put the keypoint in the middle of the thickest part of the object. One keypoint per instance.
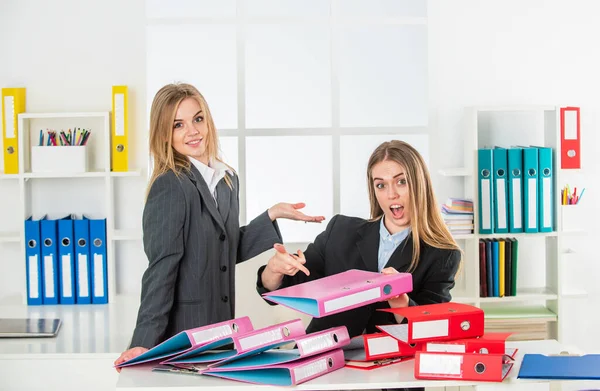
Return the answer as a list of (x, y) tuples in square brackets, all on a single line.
[(388, 243)]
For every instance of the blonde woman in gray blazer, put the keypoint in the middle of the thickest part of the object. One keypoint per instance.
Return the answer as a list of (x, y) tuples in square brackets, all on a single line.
[(191, 229)]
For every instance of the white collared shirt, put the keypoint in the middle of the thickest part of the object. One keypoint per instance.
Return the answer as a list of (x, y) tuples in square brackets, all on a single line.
[(212, 173), (388, 243)]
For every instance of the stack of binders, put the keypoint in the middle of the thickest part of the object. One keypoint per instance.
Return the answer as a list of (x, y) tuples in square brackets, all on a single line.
[(498, 259), (66, 261), (450, 343), (234, 350), (515, 190)]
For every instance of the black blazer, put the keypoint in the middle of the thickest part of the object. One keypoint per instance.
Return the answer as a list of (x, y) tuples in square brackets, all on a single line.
[(353, 243)]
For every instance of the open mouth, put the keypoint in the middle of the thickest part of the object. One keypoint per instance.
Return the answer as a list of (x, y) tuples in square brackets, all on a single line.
[(194, 143), (397, 211)]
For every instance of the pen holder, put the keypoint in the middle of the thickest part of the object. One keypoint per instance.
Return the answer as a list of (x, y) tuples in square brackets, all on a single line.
[(63, 159), (572, 217)]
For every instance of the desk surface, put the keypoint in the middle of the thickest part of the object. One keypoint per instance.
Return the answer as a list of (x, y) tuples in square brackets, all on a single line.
[(86, 329), (392, 376)]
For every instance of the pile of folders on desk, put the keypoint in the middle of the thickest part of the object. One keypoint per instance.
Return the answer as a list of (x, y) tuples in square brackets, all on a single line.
[(446, 340), (66, 261)]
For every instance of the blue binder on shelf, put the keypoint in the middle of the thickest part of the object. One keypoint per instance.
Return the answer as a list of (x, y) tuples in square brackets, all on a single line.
[(496, 267), (81, 232), (33, 262), (66, 257), (485, 188), (546, 190), (99, 263), (500, 164), (539, 366), (530, 184), (515, 190), (49, 251)]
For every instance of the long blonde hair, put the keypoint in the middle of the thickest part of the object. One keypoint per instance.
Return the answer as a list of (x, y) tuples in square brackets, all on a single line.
[(162, 114), (426, 220)]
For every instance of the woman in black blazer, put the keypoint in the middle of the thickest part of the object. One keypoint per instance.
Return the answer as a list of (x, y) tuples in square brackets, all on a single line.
[(406, 233), (191, 231)]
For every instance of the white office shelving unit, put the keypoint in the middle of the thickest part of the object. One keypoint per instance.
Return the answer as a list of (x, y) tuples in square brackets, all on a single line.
[(540, 301), (57, 194)]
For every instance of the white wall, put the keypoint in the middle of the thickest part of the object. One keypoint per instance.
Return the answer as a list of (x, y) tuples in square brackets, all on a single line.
[(68, 53)]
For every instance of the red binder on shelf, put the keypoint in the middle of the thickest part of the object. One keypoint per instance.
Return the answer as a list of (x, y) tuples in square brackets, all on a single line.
[(489, 343), (461, 366), (436, 322), (570, 138)]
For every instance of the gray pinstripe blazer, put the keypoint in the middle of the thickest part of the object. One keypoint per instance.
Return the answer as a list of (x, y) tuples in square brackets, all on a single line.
[(192, 248)]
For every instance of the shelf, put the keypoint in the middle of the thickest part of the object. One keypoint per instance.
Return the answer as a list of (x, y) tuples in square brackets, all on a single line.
[(524, 294), (127, 234), (8, 176), (88, 174), (465, 299), (575, 293), (137, 172), (463, 236), (10, 237), (521, 313), (455, 172), (574, 232), (518, 235), (63, 115)]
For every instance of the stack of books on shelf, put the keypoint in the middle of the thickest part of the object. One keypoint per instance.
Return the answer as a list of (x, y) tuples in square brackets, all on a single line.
[(458, 215), (526, 323), (498, 260)]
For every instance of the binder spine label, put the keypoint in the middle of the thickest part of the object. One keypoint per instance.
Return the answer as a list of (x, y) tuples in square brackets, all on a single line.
[(48, 276), (204, 336), (67, 290), (516, 195), (82, 271), (316, 344), (446, 347), (437, 364), (382, 345), (486, 213), (501, 206), (261, 339), (430, 329), (311, 369), (547, 212), (98, 276), (532, 201), (9, 116), (350, 300), (34, 275)]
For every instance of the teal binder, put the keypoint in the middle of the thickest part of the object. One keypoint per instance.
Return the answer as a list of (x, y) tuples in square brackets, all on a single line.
[(485, 189), (546, 190), (530, 184), (500, 164), (515, 190)]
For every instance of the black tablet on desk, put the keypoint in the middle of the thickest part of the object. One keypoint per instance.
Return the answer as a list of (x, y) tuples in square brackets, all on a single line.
[(29, 328)]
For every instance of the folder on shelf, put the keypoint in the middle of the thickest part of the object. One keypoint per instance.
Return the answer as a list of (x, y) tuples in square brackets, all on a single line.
[(33, 261), (341, 292), (81, 232), (288, 374), (566, 367), (496, 268), (120, 129), (514, 258), (530, 184), (482, 269), (66, 259), (485, 190), (515, 190), (377, 346), (251, 342), (461, 366), (508, 267), (500, 164), (570, 138), (546, 190), (98, 260), (49, 252), (13, 103), (489, 259), (433, 322), (501, 268), (489, 343), (187, 340), (307, 346)]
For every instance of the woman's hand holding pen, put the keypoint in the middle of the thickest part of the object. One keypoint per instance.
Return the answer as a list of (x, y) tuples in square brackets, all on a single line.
[(284, 210), (128, 355), (280, 264)]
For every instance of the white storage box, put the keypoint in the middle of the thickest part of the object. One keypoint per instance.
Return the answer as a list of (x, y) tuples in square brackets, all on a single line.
[(69, 159)]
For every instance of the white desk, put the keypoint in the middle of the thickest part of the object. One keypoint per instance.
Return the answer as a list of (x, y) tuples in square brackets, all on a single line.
[(392, 376)]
